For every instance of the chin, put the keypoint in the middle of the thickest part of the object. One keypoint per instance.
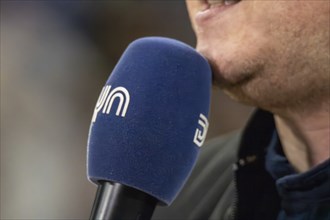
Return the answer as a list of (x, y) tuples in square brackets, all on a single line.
[(230, 73), (231, 65)]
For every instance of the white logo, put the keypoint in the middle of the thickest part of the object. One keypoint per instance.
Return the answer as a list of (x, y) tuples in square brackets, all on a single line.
[(107, 98), (200, 135)]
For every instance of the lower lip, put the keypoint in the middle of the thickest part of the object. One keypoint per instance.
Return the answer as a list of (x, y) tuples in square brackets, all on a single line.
[(211, 12)]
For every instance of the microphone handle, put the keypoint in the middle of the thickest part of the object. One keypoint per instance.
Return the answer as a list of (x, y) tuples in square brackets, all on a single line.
[(115, 201)]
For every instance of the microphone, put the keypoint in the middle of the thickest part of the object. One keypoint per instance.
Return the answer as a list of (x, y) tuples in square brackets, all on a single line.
[(149, 123)]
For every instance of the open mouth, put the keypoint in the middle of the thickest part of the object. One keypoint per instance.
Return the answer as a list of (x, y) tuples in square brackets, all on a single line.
[(210, 8), (218, 3)]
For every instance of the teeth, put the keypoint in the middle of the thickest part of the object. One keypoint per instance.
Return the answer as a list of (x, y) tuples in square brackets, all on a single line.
[(231, 2), (222, 2), (216, 2)]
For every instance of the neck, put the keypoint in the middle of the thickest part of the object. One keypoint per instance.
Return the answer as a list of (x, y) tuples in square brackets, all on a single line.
[(305, 137)]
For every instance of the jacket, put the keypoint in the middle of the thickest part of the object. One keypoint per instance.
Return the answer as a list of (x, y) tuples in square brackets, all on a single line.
[(234, 179)]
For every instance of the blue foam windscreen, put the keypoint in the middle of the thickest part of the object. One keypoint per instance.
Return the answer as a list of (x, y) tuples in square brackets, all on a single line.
[(151, 118)]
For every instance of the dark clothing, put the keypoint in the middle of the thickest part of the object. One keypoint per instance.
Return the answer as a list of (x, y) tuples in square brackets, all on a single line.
[(305, 195), (245, 176)]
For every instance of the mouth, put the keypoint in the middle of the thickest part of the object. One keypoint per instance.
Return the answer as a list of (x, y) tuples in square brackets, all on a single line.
[(219, 3), (212, 7)]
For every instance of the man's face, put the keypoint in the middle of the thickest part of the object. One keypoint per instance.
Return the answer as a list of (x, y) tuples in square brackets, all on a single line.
[(270, 53)]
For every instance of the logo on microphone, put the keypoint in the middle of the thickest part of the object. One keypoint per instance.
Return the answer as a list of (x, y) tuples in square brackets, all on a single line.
[(200, 134), (106, 99)]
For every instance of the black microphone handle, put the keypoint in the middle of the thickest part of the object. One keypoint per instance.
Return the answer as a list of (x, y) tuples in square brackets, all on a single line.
[(115, 201)]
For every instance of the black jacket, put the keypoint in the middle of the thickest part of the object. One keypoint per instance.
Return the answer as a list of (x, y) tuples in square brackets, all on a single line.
[(231, 181)]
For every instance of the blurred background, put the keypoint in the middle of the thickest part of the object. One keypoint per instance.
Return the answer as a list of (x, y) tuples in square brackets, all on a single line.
[(55, 58)]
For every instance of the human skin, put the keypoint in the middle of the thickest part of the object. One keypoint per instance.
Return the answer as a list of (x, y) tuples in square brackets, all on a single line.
[(275, 55)]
